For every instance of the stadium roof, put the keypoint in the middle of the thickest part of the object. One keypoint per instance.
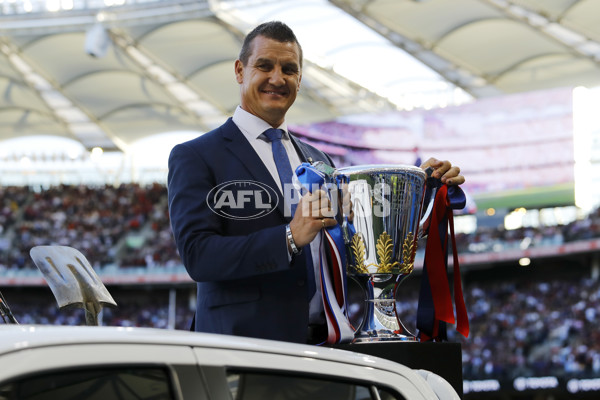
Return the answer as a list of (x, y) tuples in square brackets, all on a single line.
[(108, 73)]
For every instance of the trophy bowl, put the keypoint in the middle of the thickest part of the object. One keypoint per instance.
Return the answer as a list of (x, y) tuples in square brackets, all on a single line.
[(381, 241)]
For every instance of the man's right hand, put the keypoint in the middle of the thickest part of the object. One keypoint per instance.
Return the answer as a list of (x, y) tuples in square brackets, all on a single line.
[(313, 213)]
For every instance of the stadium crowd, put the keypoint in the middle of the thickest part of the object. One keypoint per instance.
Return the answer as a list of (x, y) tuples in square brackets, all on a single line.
[(494, 239), (548, 322), (125, 226), (128, 225)]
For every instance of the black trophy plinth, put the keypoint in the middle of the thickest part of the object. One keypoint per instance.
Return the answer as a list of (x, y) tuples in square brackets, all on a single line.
[(442, 358)]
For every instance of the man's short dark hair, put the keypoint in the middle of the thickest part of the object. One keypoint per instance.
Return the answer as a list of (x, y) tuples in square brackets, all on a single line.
[(275, 30)]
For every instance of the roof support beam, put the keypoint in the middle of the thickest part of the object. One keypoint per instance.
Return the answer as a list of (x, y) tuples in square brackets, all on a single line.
[(205, 112), (570, 39), (471, 83), (77, 121)]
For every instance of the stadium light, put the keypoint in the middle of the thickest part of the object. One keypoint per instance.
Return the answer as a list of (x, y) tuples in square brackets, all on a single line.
[(524, 262), (96, 153), (586, 134)]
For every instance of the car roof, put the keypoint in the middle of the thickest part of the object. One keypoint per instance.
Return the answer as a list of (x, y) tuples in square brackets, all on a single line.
[(20, 337)]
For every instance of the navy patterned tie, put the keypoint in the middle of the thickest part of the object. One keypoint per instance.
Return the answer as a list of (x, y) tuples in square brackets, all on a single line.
[(282, 162)]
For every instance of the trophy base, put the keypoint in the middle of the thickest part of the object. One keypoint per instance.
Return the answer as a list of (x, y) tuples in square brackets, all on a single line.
[(382, 336)]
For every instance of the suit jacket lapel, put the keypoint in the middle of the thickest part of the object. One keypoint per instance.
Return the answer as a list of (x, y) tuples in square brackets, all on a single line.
[(237, 143), (300, 150)]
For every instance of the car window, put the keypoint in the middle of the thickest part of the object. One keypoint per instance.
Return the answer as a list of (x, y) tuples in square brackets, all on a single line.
[(92, 384), (273, 386), (385, 394)]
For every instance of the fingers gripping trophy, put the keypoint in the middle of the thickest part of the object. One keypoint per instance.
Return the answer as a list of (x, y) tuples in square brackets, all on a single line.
[(389, 210)]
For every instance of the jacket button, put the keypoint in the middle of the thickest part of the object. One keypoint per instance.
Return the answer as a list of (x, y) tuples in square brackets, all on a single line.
[(301, 282)]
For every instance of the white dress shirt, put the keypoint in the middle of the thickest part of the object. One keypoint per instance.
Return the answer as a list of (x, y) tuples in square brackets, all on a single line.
[(252, 127)]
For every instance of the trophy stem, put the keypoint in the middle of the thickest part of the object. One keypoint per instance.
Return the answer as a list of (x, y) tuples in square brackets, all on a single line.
[(381, 321)]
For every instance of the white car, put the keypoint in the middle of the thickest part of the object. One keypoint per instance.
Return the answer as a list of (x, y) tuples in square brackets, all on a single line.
[(86, 362)]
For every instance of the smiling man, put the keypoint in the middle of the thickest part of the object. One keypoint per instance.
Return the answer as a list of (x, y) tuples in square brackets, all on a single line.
[(254, 268), (269, 78)]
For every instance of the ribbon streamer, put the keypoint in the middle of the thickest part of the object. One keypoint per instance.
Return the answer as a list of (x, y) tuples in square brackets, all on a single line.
[(332, 262), (435, 301)]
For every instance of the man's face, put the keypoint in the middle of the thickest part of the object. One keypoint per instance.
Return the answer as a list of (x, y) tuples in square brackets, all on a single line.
[(270, 80)]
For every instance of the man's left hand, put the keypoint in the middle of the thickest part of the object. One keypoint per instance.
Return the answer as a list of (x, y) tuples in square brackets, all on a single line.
[(444, 171)]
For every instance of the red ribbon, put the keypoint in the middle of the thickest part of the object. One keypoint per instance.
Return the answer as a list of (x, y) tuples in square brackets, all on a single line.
[(436, 266)]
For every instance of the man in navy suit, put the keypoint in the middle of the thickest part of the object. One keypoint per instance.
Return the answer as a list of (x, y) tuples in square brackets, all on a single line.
[(233, 229)]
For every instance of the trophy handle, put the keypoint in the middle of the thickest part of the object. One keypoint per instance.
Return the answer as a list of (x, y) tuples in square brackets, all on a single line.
[(431, 186)]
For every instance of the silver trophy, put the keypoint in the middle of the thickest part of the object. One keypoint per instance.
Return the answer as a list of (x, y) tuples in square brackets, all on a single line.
[(388, 203)]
